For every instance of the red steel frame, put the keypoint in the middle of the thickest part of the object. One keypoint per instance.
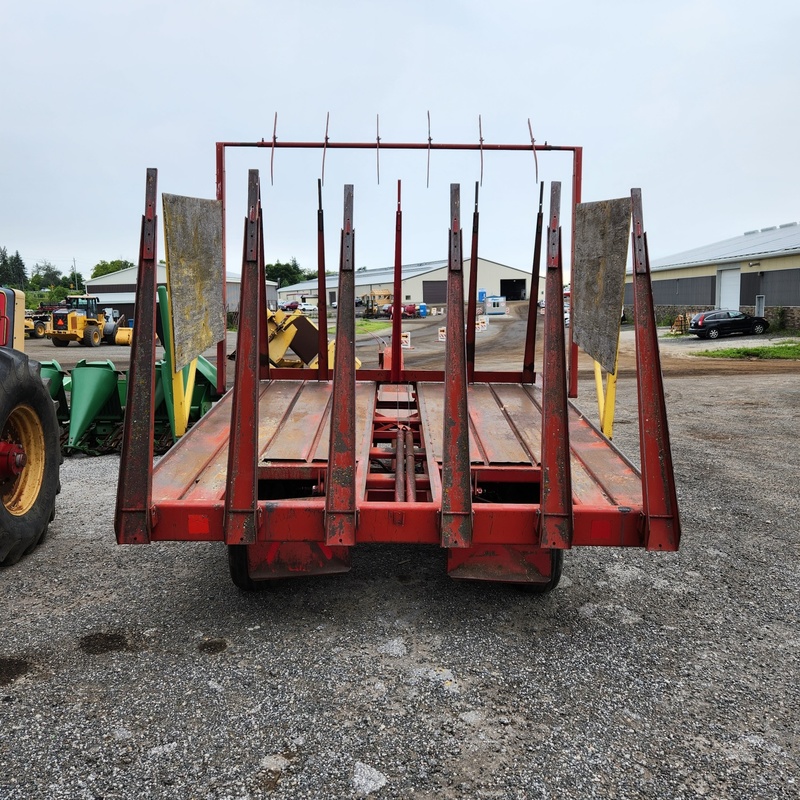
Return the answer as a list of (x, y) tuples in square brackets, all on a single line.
[(497, 467)]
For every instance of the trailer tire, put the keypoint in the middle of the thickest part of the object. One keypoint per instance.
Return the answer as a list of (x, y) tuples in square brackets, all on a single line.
[(237, 563), (27, 419), (556, 566)]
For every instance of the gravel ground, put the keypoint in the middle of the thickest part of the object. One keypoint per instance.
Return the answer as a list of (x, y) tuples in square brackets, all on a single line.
[(130, 672)]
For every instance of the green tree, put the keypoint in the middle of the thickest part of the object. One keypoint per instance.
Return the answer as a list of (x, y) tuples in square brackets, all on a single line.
[(74, 282), (106, 267), (47, 273), (18, 274), (12, 269), (288, 274), (5, 270)]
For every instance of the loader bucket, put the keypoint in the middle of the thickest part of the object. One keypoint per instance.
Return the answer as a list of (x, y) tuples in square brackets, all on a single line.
[(93, 384), (123, 336)]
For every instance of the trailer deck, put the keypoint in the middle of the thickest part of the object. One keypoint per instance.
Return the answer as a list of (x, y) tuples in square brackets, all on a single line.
[(293, 440)]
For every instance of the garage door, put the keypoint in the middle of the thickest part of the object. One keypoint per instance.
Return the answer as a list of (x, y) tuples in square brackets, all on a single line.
[(512, 289), (728, 288), (434, 292)]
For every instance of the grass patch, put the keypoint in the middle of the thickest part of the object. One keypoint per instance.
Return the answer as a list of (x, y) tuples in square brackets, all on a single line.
[(368, 325), (784, 350)]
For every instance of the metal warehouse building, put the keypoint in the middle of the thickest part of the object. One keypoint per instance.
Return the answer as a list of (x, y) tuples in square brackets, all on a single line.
[(118, 289), (422, 283), (758, 272)]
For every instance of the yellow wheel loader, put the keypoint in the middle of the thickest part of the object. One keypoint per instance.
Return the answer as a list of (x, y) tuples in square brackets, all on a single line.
[(78, 320)]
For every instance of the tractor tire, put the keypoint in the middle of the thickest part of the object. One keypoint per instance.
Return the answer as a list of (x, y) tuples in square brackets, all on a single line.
[(92, 336), (59, 342), (38, 330), (27, 422)]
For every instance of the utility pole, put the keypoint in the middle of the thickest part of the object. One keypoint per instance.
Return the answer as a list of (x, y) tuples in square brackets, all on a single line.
[(75, 277)]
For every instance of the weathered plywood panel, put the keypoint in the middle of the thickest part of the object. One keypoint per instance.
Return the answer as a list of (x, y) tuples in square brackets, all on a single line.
[(601, 254), (195, 275)]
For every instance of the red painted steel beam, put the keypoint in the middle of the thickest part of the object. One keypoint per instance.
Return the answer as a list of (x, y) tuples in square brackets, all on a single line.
[(389, 522), (397, 314), (658, 480), (555, 524), (132, 520), (241, 491), (577, 184), (322, 295), (529, 360), (456, 514), (340, 484), (264, 366), (222, 345)]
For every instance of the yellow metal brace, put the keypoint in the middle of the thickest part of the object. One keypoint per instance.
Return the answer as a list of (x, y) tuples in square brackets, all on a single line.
[(607, 398)]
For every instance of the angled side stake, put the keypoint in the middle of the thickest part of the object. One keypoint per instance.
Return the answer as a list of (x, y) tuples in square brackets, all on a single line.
[(241, 494), (555, 519), (456, 515), (662, 531), (322, 299), (340, 483), (397, 313), (529, 362), (472, 295), (135, 487)]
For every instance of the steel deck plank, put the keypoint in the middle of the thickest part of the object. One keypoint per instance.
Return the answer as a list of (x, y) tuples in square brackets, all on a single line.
[(430, 398), (180, 475), (606, 468), (365, 392), (175, 475), (298, 430), (205, 480), (525, 415), (492, 427)]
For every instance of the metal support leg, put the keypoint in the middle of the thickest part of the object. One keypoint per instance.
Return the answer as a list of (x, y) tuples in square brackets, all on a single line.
[(663, 530), (340, 484), (456, 478), (241, 506), (555, 520), (134, 491)]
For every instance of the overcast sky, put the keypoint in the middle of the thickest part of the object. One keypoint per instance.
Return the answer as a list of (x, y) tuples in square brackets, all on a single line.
[(695, 102)]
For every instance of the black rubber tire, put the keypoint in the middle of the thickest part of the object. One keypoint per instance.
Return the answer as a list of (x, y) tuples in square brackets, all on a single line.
[(556, 566), (758, 328), (713, 334), (38, 330), (237, 563), (27, 418), (59, 342), (92, 336)]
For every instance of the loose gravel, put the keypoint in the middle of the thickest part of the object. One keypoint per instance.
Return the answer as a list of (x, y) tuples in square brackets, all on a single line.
[(140, 671)]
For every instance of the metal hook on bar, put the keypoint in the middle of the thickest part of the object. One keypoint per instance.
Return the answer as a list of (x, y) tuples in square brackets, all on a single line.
[(480, 137), (533, 147), (325, 148), (378, 145), (428, 178), (272, 154)]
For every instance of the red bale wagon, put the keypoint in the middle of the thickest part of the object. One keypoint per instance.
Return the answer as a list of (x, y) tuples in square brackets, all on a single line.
[(294, 468)]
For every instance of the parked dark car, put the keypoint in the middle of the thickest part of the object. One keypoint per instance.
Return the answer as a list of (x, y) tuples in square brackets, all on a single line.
[(723, 322)]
